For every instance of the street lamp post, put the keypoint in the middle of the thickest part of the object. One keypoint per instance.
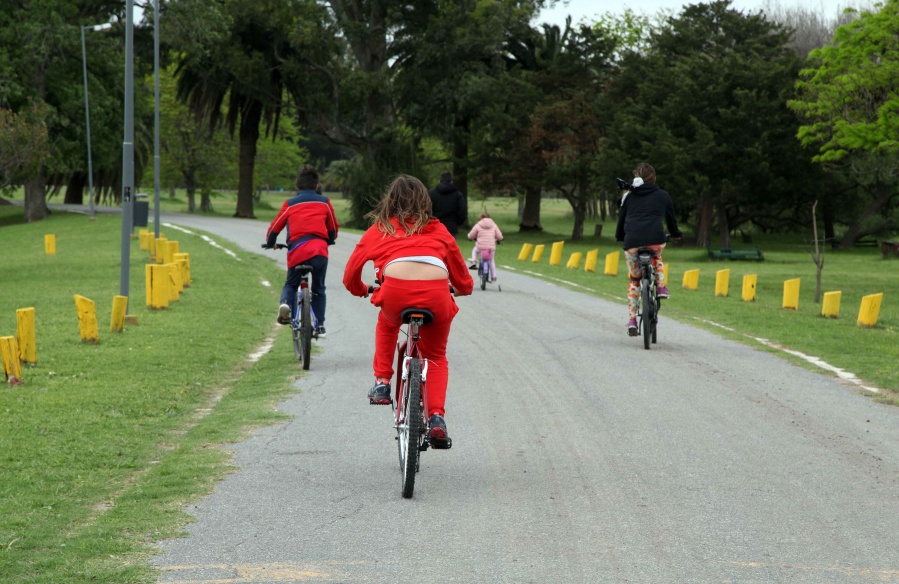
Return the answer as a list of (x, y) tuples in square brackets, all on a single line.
[(128, 151), (87, 114), (156, 181)]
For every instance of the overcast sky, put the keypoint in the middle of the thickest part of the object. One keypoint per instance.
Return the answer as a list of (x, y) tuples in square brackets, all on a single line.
[(579, 9)]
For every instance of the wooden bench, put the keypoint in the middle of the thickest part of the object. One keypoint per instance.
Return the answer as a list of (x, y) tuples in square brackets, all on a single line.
[(735, 253)]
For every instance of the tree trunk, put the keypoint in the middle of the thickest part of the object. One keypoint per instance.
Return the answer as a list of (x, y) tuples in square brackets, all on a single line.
[(883, 195), (530, 216), (704, 224), (36, 199), (75, 189), (250, 118), (205, 201), (723, 226), (190, 186)]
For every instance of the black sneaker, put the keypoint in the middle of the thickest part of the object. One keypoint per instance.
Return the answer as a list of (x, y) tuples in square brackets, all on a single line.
[(473, 267), (284, 314), (320, 332), (379, 394), (437, 435)]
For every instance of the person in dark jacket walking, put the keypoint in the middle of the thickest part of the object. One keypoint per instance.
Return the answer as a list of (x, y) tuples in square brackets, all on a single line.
[(448, 204), (643, 209)]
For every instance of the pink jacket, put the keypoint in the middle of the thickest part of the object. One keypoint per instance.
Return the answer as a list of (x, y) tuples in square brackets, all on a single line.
[(486, 232)]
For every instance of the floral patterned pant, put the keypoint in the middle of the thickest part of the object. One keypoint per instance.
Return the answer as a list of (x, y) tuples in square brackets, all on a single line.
[(635, 271)]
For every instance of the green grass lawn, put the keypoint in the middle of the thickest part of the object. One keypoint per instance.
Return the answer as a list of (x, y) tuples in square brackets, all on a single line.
[(104, 444)]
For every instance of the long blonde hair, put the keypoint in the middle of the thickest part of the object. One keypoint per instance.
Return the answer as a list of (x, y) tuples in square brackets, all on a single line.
[(407, 200)]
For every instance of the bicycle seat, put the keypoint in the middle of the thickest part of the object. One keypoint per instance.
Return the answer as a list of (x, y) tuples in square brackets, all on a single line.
[(645, 254), (408, 313), (303, 269)]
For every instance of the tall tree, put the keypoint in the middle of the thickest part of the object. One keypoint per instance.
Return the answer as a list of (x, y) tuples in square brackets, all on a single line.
[(40, 52), (705, 104), (23, 144), (849, 100), (239, 62), (445, 55)]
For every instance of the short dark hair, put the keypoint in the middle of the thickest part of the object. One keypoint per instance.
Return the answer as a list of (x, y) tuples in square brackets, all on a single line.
[(446, 177), (307, 178)]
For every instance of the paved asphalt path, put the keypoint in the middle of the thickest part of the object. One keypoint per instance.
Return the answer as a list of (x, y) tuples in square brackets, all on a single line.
[(578, 457)]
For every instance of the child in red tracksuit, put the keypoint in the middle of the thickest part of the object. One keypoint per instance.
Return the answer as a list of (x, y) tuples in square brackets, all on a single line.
[(416, 259)]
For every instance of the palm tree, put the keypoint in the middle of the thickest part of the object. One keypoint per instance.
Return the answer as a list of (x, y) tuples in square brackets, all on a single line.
[(242, 64)]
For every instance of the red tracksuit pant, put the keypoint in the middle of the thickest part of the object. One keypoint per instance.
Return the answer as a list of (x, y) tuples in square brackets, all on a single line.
[(392, 298)]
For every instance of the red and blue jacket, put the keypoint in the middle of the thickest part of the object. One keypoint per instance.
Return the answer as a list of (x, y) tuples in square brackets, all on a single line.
[(311, 226)]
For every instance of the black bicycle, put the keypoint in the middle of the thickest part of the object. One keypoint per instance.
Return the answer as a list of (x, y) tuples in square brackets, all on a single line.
[(303, 321), (648, 303)]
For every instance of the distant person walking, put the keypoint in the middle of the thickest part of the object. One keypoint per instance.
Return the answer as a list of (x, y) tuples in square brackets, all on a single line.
[(448, 204)]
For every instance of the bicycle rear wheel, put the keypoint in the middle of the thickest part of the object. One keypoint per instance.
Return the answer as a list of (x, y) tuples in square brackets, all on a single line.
[(306, 328), (485, 274), (295, 330), (409, 427), (647, 314)]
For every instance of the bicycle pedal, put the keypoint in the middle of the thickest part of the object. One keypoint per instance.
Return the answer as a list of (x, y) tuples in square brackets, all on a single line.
[(442, 444)]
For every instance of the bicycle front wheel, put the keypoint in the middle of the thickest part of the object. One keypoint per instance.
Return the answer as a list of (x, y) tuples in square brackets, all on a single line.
[(409, 428), (647, 315), (306, 328)]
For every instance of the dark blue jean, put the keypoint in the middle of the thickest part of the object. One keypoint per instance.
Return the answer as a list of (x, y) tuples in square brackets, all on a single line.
[(289, 292)]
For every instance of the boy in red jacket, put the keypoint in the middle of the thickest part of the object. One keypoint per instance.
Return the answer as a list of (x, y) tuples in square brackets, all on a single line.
[(416, 259), (311, 228)]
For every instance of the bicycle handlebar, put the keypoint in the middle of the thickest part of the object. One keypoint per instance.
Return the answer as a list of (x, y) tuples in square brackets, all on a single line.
[(276, 246)]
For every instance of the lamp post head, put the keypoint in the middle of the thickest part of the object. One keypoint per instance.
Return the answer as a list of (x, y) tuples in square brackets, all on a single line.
[(98, 27)]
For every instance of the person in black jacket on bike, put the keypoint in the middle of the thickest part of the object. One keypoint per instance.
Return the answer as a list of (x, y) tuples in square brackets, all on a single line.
[(640, 224), (448, 204)]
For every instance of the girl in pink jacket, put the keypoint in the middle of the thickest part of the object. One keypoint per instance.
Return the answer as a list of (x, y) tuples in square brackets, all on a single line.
[(487, 234)]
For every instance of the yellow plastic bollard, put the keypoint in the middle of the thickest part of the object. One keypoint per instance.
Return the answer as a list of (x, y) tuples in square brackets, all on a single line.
[(575, 260), (526, 250), (555, 256), (830, 308), (9, 360), (869, 310), (183, 259), (157, 286), (119, 308), (168, 251), (159, 249), (592, 257), (25, 336), (791, 294), (749, 284), (612, 261), (174, 279), (50, 244), (538, 253), (144, 239), (691, 279), (87, 319), (722, 282)]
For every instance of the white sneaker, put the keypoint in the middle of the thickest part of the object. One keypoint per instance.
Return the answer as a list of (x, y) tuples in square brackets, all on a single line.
[(284, 314)]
